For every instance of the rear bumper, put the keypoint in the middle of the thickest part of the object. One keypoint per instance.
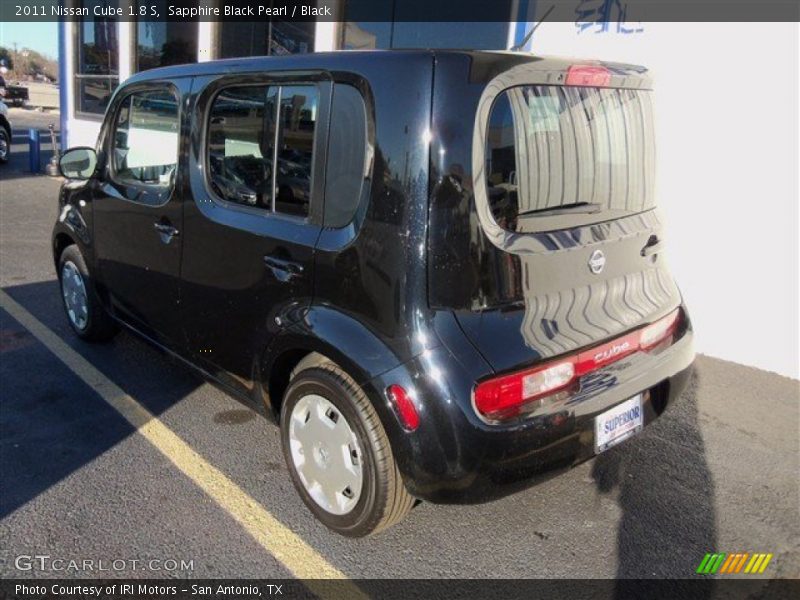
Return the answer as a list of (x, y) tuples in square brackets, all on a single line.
[(454, 457)]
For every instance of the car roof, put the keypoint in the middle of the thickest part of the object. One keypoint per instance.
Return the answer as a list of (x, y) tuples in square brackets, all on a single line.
[(346, 59)]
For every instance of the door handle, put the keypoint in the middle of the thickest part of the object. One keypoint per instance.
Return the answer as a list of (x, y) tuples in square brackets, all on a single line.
[(284, 270), (166, 231), (654, 246)]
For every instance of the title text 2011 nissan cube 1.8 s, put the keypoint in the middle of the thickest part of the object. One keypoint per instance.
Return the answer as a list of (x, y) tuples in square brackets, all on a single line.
[(442, 272)]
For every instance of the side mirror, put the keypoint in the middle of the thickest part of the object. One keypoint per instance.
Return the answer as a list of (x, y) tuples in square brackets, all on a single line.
[(78, 163)]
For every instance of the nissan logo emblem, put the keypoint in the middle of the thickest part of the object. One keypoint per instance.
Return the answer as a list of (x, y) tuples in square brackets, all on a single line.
[(597, 261)]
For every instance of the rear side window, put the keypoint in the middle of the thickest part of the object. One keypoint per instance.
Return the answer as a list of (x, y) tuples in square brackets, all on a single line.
[(552, 148), (260, 146), (347, 156), (145, 150)]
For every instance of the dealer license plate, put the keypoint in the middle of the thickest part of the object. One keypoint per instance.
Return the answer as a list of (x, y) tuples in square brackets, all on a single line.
[(618, 424)]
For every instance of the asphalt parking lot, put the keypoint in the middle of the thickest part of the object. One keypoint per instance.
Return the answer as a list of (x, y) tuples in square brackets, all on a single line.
[(86, 476)]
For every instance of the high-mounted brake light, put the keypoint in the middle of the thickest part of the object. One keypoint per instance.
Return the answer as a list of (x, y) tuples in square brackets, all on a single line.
[(588, 76), (403, 406), (504, 396)]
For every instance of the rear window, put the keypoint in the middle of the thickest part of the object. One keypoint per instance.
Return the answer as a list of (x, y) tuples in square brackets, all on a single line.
[(569, 151)]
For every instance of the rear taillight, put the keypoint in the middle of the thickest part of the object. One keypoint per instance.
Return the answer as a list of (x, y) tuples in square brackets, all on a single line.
[(588, 76), (654, 334), (504, 397), (495, 396)]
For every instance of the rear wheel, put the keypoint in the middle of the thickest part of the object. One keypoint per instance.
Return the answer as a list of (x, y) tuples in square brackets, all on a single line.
[(338, 454), (85, 313)]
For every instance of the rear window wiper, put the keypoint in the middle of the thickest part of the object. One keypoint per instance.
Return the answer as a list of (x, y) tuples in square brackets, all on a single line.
[(565, 209)]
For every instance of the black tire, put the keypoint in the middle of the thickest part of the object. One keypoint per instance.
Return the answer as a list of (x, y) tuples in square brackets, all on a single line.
[(384, 499), (99, 327), (5, 144)]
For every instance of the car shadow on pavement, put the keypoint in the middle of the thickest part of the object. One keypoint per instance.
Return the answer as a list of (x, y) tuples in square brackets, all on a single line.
[(668, 521), (53, 423)]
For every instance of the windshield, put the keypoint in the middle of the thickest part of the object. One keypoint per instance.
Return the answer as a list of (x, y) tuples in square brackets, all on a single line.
[(566, 151)]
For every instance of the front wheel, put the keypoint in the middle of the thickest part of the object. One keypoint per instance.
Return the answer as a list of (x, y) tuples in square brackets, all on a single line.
[(85, 314), (338, 454), (5, 144)]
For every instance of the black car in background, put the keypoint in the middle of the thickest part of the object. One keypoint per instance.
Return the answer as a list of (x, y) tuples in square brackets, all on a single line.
[(439, 289), (5, 133), (16, 95)]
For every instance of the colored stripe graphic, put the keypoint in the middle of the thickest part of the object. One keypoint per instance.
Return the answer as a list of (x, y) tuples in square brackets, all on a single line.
[(702, 568), (727, 564), (741, 562), (764, 564), (711, 563), (723, 563)]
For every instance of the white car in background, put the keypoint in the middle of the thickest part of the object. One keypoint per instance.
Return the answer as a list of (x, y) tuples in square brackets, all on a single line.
[(5, 133)]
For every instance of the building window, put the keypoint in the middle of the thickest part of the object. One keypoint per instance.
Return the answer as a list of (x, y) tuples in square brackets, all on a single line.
[(161, 43), (265, 38), (244, 144), (97, 60), (384, 35)]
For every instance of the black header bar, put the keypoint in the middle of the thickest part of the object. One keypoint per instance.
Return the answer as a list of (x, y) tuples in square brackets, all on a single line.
[(576, 11)]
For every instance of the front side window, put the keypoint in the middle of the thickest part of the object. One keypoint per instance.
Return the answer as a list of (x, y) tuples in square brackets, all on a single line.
[(97, 69), (145, 145), (552, 149), (252, 128)]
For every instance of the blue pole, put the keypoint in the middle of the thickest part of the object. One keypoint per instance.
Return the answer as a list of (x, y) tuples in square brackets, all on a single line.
[(64, 29), (34, 151)]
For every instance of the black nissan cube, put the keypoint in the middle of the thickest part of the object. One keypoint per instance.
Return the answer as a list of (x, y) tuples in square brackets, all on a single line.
[(442, 273)]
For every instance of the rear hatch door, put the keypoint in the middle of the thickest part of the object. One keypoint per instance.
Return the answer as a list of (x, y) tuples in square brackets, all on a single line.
[(565, 197)]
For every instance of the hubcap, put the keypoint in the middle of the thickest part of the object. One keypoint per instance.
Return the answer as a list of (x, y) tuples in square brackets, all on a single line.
[(326, 454), (3, 145), (74, 291)]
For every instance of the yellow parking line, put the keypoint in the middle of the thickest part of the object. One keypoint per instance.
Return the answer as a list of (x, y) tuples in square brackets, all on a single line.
[(280, 541)]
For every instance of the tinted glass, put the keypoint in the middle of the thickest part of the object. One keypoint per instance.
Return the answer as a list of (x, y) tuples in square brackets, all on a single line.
[(146, 139), (264, 38), (366, 36), (361, 35), (347, 148), (160, 43), (474, 36), (92, 95), (97, 59), (298, 118), (287, 37), (98, 49), (550, 147), (241, 138), (243, 39)]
